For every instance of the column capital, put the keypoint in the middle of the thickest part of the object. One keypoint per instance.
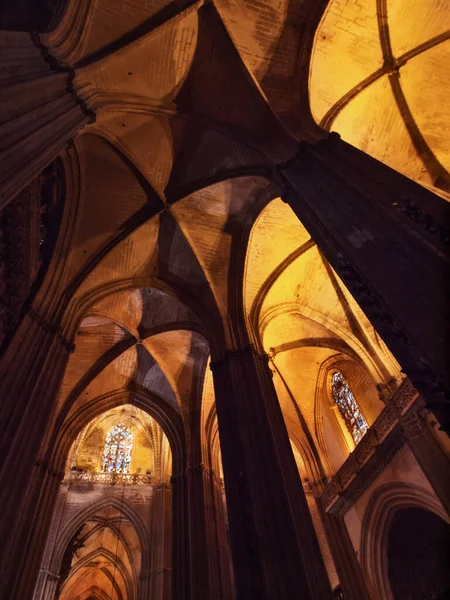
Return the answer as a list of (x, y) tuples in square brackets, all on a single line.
[(55, 65), (48, 469), (427, 449), (414, 421), (235, 353), (199, 468), (52, 328), (49, 575), (304, 146), (30, 139), (178, 477), (387, 389)]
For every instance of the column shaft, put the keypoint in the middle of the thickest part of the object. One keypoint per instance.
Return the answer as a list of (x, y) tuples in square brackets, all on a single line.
[(160, 568), (427, 451), (220, 567), (31, 372), (345, 560), (275, 550), (198, 550), (387, 237), (47, 582), (180, 584)]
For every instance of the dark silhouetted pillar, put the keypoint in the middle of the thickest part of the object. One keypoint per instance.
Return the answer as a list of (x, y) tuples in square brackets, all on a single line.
[(387, 237), (427, 451), (275, 551), (30, 375)]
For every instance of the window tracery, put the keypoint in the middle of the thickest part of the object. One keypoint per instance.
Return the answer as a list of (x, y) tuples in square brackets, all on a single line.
[(348, 407), (116, 456)]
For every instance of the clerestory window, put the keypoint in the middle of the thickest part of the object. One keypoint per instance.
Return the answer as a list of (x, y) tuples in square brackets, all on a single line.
[(348, 407), (117, 451)]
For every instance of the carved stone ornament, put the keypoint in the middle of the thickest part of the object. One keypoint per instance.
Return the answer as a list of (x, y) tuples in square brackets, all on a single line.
[(377, 439)]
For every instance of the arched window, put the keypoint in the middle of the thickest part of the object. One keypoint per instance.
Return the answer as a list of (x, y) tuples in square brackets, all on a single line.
[(348, 407), (117, 452)]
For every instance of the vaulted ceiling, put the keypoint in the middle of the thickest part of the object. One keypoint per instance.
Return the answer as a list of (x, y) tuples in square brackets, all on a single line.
[(380, 77), (175, 238), (108, 564)]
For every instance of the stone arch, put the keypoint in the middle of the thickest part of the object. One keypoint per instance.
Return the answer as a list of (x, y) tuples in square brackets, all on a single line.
[(237, 273), (384, 503), (88, 437), (212, 450), (171, 423), (94, 593), (89, 511), (255, 312), (197, 185), (130, 585), (81, 307), (304, 450), (130, 159), (166, 416), (350, 344)]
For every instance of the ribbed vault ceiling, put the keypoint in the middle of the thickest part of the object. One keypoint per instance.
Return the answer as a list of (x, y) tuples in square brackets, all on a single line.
[(380, 78), (190, 98)]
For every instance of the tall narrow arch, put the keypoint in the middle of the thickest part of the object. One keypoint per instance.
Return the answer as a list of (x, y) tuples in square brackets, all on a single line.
[(419, 555), (85, 513), (165, 415), (384, 503)]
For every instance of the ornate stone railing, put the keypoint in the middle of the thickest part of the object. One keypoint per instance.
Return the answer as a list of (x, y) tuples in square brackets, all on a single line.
[(110, 478), (335, 496)]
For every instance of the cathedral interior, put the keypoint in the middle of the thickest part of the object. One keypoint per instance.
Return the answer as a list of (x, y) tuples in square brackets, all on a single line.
[(224, 300)]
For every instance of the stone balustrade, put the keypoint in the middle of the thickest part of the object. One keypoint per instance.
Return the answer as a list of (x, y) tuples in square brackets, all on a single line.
[(111, 478)]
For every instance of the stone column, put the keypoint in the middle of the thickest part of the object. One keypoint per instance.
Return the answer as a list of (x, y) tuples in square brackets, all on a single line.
[(39, 114), (210, 568), (220, 567), (160, 569), (387, 238), (427, 451), (198, 550), (31, 372), (345, 559), (47, 582), (199, 538), (180, 580), (276, 554)]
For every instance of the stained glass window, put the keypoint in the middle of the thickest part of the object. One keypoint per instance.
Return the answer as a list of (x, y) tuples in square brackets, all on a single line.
[(117, 451), (348, 407)]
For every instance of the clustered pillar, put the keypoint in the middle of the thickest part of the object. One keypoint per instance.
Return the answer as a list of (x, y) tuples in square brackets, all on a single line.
[(28, 485), (274, 546), (157, 581), (427, 450), (39, 116), (387, 237)]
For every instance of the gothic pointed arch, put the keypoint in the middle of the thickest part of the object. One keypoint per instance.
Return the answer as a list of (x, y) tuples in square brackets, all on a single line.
[(386, 500)]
